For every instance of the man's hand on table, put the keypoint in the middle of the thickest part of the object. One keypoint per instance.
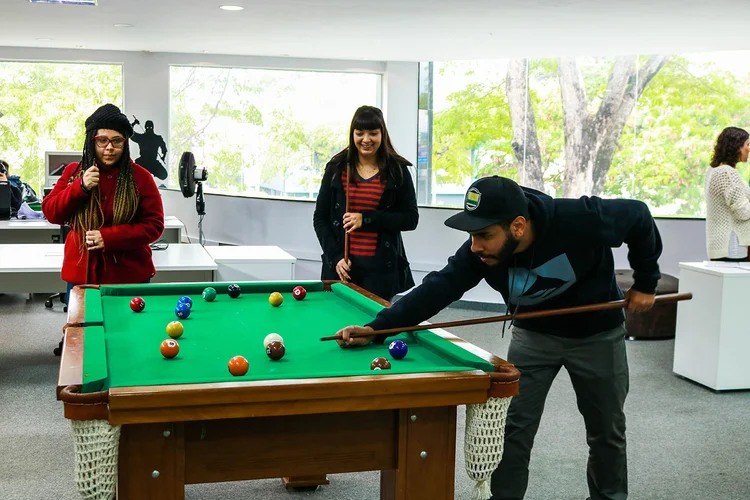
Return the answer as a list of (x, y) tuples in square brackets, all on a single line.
[(347, 341)]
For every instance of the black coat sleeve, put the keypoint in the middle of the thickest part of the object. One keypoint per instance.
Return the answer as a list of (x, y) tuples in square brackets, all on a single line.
[(614, 222), (322, 222), (438, 290), (403, 216)]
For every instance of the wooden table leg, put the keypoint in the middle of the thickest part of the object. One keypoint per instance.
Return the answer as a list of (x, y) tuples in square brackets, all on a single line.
[(311, 482), (151, 462), (427, 456)]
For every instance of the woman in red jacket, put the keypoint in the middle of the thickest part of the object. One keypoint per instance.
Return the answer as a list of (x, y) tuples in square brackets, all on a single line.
[(111, 204)]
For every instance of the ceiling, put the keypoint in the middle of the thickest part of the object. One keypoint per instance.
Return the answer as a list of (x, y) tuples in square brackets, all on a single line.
[(398, 30)]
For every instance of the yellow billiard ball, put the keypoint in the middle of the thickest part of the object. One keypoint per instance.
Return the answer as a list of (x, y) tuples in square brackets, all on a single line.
[(275, 299), (175, 329)]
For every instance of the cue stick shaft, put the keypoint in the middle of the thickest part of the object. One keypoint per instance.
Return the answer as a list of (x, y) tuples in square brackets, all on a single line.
[(615, 304), (346, 234)]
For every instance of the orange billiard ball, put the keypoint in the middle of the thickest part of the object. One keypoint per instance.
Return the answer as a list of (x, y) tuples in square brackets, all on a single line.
[(275, 299), (169, 348), (238, 366), (175, 329)]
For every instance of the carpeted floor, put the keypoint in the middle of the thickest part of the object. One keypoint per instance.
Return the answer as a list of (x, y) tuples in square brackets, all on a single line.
[(685, 442)]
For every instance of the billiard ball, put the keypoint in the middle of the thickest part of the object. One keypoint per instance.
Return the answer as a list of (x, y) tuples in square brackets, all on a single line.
[(275, 299), (275, 350), (398, 349), (185, 300), (137, 304), (272, 337), (234, 291), (169, 348), (175, 329), (238, 366), (182, 311), (380, 364), (209, 294), (299, 292)]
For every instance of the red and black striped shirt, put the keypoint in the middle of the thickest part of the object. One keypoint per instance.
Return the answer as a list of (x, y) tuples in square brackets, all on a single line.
[(365, 195)]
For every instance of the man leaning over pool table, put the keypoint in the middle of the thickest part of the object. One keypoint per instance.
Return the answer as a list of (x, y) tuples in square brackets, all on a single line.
[(544, 253)]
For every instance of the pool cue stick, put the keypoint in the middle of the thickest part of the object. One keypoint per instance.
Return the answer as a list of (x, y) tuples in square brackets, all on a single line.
[(346, 234), (615, 304)]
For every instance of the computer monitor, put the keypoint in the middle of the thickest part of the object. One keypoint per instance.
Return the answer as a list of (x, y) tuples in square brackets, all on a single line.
[(55, 162)]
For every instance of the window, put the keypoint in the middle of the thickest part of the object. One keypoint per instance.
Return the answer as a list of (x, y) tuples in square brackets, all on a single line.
[(627, 126), (43, 107), (263, 132)]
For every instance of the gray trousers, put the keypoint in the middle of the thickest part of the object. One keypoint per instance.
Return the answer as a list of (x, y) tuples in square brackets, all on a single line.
[(598, 369)]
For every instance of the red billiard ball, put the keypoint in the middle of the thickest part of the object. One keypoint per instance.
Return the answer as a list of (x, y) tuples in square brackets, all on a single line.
[(137, 304), (169, 348), (238, 366), (299, 292)]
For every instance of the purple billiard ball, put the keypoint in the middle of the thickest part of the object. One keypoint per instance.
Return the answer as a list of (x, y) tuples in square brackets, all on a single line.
[(398, 349)]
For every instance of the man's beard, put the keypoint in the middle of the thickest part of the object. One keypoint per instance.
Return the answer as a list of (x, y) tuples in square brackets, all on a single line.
[(510, 245)]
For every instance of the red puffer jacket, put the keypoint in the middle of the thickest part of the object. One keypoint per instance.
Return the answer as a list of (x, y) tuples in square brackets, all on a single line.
[(126, 257)]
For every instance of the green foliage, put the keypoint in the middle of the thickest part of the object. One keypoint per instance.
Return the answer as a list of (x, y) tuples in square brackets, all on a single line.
[(472, 137), (45, 106), (219, 114), (663, 151), (294, 146)]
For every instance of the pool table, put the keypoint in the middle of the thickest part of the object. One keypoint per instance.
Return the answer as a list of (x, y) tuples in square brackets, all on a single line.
[(319, 409)]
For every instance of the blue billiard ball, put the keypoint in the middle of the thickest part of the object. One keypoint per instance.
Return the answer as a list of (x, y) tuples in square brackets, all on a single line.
[(182, 310), (185, 300), (398, 349)]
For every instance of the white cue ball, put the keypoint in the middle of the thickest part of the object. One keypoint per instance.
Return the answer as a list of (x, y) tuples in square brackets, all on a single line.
[(272, 337)]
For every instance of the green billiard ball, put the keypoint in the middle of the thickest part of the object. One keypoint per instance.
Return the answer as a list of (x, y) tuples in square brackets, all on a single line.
[(209, 294)]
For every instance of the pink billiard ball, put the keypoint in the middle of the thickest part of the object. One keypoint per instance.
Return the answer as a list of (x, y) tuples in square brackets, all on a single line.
[(137, 304), (299, 292)]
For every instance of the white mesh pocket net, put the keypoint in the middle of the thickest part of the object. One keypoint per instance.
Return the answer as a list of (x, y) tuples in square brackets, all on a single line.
[(96, 447), (483, 442)]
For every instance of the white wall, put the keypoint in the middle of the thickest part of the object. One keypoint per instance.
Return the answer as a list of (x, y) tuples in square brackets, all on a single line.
[(288, 224)]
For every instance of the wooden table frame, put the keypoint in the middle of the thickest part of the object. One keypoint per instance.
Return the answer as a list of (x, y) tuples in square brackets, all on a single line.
[(174, 435)]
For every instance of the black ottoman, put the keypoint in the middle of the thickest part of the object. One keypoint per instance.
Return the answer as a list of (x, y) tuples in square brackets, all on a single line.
[(660, 322)]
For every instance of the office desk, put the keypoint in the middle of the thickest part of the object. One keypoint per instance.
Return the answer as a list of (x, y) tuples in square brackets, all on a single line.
[(42, 231), (252, 263), (35, 268), (713, 334)]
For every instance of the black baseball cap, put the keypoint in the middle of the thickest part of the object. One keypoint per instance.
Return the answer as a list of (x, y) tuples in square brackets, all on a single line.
[(490, 200)]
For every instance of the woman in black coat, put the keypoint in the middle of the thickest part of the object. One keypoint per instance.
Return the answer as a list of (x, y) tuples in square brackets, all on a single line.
[(382, 203)]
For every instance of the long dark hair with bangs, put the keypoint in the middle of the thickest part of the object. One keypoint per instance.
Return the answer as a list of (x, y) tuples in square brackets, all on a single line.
[(728, 145), (389, 161)]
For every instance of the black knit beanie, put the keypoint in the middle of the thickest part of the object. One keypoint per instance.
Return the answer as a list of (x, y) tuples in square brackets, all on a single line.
[(109, 117)]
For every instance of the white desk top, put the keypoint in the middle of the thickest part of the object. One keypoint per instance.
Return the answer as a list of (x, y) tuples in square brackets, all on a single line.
[(47, 257), (256, 254), (169, 222), (718, 268)]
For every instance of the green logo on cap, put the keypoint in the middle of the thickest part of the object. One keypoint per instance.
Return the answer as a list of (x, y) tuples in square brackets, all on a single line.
[(472, 199)]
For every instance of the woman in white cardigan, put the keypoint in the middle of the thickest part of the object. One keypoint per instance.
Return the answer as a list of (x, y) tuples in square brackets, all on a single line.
[(728, 198)]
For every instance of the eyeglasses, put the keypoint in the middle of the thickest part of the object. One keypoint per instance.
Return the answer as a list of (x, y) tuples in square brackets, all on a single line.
[(103, 141)]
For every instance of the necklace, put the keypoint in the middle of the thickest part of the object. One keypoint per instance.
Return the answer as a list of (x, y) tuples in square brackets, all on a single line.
[(366, 171)]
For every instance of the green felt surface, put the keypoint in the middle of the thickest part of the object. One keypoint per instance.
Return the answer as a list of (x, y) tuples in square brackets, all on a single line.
[(226, 327)]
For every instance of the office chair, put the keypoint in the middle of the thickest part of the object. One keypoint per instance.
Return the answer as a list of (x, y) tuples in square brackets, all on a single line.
[(64, 230)]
